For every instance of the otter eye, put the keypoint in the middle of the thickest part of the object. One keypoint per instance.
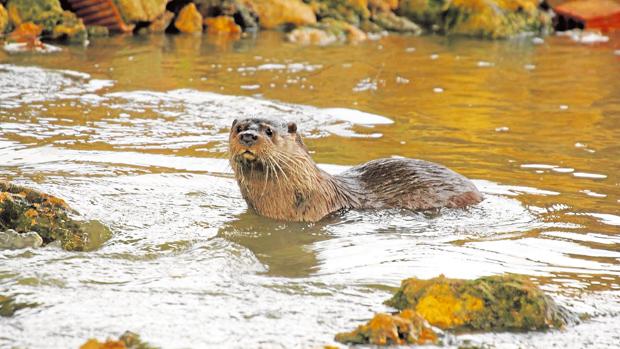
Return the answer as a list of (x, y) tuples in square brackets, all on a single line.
[(238, 129), (269, 132)]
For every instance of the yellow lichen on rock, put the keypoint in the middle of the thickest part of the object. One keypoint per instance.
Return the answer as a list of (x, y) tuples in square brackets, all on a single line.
[(134, 11), (407, 327), (499, 302), (189, 20), (222, 25), (274, 13), (441, 307), (109, 344)]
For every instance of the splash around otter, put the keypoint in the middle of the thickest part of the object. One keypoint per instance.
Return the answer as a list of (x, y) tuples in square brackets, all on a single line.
[(278, 178)]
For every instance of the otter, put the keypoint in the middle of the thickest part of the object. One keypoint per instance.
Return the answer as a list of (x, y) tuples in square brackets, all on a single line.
[(278, 178)]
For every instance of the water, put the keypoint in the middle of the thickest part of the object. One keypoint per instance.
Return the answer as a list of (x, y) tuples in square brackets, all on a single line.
[(133, 131)]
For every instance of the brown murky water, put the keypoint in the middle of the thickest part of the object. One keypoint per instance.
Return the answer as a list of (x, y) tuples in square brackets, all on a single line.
[(132, 132)]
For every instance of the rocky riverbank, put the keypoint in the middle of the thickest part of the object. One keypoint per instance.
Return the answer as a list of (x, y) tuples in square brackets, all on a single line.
[(306, 22)]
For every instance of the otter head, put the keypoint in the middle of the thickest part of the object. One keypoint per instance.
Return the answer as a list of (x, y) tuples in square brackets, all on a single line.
[(256, 143)]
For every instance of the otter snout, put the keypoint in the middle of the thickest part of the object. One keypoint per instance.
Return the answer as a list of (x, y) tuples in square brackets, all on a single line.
[(248, 138)]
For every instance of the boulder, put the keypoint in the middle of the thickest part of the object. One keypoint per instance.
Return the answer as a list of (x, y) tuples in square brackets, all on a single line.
[(189, 20), (404, 328), (326, 32), (12, 240), (274, 13), (480, 18), (500, 302), (390, 21), (55, 22), (134, 11)]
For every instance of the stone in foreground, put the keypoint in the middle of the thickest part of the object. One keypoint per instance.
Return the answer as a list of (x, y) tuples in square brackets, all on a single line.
[(128, 340), (406, 327), (500, 302), (24, 210)]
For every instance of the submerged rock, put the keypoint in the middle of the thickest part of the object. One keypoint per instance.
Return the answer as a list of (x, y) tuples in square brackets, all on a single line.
[(406, 327), (8, 306), (189, 20), (326, 32), (274, 13), (55, 22), (128, 340), (12, 240), (97, 31), (501, 302), (25, 210), (481, 18), (135, 11)]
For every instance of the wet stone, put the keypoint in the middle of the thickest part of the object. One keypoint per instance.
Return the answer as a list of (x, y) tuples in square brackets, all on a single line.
[(12, 240), (406, 327), (499, 302), (128, 340), (24, 211)]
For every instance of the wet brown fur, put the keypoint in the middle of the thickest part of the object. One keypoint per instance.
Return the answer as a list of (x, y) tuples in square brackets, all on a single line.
[(279, 179)]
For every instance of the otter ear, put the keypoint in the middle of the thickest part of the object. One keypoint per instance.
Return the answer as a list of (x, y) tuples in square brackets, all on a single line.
[(234, 123), (292, 127)]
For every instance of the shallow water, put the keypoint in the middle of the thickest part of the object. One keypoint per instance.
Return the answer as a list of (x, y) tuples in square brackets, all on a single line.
[(132, 131)]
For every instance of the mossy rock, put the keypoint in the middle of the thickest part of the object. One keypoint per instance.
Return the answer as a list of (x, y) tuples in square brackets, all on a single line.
[(406, 327), (128, 340), (500, 302), (350, 11), (479, 18), (26, 210), (57, 24)]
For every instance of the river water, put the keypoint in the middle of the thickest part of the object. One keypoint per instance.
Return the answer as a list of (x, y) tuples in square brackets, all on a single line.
[(132, 131)]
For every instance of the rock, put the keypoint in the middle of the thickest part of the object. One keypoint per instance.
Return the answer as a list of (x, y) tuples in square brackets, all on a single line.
[(392, 22), (97, 31), (312, 36), (134, 11), (128, 340), (8, 306), (243, 16), (161, 23), (350, 11), (4, 20), (326, 32), (222, 25), (25, 210), (406, 327), (588, 14), (480, 18), (55, 22), (12, 240), (501, 302), (274, 13), (189, 20)]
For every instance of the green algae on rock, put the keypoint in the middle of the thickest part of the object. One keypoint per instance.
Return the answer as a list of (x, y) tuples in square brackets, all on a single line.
[(479, 18), (499, 302), (127, 340), (26, 210), (406, 327), (56, 23)]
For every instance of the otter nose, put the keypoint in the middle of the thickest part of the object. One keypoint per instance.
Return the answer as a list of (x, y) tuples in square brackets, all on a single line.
[(248, 138)]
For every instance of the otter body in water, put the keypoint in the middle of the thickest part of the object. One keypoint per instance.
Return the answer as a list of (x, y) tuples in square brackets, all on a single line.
[(279, 179)]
